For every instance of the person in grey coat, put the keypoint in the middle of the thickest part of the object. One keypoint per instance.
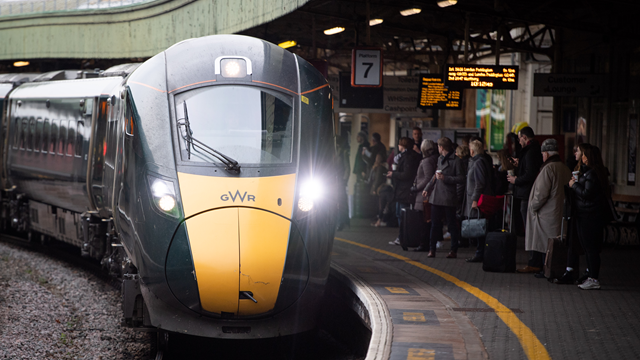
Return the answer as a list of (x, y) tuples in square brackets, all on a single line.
[(479, 182), (426, 171), (442, 196)]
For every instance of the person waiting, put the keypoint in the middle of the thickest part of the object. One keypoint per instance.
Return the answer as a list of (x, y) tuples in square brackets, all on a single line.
[(544, 218), (479, 182), (403, 178), (441, 191), (370, 154), (589, 192), (417, 139), (426, 172), (527, 168)]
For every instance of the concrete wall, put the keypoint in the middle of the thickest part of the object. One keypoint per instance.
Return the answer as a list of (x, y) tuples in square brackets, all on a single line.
[(132, 31)]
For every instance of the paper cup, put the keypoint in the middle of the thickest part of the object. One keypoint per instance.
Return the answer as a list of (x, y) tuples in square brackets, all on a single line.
[(510, 172), (576, 175), (394, 167)]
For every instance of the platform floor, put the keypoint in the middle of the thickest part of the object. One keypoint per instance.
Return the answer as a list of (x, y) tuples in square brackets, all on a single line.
[(514, 316)]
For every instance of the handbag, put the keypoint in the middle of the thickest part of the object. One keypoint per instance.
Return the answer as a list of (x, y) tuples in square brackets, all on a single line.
[(474, 228), (490, 205), (426, 206)]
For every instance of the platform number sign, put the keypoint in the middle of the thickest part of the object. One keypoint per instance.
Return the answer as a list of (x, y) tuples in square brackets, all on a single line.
[(366, 67)]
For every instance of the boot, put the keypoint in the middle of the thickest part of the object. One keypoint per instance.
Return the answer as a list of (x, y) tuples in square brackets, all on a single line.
[(567, 278)]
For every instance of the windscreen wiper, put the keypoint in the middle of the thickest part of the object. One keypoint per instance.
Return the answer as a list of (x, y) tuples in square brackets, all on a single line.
[(230, 164)]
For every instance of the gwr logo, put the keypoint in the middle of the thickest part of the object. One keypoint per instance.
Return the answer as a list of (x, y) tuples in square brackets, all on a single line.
[(237, 195)]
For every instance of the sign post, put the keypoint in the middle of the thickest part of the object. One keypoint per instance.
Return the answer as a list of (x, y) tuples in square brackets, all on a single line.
[(432, 94), (366, 67)]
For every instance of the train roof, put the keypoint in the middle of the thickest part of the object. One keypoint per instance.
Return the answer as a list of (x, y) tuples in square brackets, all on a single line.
[(80, 88)]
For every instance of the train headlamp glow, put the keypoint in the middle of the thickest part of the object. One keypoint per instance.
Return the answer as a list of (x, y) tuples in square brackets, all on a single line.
[(310, 192), (233, 68), (164, 194)]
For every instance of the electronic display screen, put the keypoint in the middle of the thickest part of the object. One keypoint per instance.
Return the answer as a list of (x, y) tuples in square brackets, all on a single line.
[(482, 77), (432, 94)]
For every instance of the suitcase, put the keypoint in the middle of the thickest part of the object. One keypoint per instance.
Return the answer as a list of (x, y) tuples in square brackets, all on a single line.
[(500, 247), (555, 262), (412, 227)]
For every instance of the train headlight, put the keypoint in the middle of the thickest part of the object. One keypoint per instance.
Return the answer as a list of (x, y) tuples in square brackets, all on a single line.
[(164, 194), (311, 192)]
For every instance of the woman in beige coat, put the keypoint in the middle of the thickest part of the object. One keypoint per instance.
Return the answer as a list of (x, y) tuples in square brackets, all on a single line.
[(544, 216)]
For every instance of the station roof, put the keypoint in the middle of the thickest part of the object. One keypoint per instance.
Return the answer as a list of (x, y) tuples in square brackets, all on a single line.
[(436, 34)]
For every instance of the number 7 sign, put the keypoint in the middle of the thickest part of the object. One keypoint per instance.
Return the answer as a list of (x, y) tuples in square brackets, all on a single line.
[(366, 67)]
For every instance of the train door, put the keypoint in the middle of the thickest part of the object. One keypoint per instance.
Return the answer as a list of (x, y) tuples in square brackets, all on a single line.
[(110, 149)]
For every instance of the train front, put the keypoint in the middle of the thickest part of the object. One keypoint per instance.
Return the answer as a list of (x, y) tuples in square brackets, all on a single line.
[(252, 196)]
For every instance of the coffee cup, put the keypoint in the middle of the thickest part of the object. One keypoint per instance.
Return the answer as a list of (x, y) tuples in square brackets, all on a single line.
[(394, 167), (510, 172), (438, 171), (576, 174)]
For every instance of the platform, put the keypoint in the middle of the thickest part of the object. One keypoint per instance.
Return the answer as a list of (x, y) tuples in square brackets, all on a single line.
[(449, 309)]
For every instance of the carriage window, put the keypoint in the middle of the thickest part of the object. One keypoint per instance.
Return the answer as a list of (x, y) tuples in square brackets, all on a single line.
[(54, 137), (46, 133), (32, 134), (38, 139), (24, 129), (16, 133), (79, 139), (249, 125), (71, 137), (62, 136)]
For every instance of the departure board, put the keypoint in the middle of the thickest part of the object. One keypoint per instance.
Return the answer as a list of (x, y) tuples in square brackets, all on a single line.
[(434, 95), (482, 76)]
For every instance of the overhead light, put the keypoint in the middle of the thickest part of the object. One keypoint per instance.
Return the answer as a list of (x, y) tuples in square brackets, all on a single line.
[(334, 30), (408, 12), (374, 22), (20, 63), (287, 44), (445, 3)]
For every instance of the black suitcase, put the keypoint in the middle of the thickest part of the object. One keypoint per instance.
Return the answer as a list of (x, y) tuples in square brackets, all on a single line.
[(412, 228), (555, 262), (500, 247)]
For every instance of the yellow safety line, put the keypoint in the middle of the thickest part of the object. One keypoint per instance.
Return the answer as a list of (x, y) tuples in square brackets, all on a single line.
[(530, 343)]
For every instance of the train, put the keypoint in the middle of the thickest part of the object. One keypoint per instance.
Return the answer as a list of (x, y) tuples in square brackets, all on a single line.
[(202, 178)]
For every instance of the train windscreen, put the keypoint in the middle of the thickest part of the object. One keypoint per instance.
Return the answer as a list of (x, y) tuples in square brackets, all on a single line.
[(246, 124)]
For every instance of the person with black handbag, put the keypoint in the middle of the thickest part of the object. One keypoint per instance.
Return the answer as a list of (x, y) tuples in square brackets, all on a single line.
[(479, 182)]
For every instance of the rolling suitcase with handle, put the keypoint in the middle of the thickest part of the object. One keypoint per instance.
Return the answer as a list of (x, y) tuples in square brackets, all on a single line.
[(412, 228), (500, 246), (555, 262)]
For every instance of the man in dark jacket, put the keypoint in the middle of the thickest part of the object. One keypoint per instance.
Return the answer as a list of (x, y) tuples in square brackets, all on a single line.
[(403, 177), (442, 196), (369, 154), (527, 168), (360, 166)]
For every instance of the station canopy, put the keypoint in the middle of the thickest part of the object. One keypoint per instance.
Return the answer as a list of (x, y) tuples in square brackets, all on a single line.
[(419, 34)]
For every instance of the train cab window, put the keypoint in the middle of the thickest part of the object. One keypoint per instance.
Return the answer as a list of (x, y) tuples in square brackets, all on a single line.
[(54, 136), (38, 137), (62, 136), (71, 137), (249, 125), (79, 139), (24, 129), (46, 133)]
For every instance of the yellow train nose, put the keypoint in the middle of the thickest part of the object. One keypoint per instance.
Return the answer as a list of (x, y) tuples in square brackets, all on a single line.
[(238, 251)]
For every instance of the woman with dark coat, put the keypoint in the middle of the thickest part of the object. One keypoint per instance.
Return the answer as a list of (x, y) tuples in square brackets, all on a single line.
[(403, 178), (589, 192), (442, 196), (426, 171)]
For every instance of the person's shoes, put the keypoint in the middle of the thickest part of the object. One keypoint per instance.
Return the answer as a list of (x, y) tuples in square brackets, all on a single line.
[(590, 284), (421, 249), (528, 270), (540, 275), (382, 224), (583, 278), (446, 236), (452, 255), (431, 254), (567, 278), (395, 242), (475, 259)]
